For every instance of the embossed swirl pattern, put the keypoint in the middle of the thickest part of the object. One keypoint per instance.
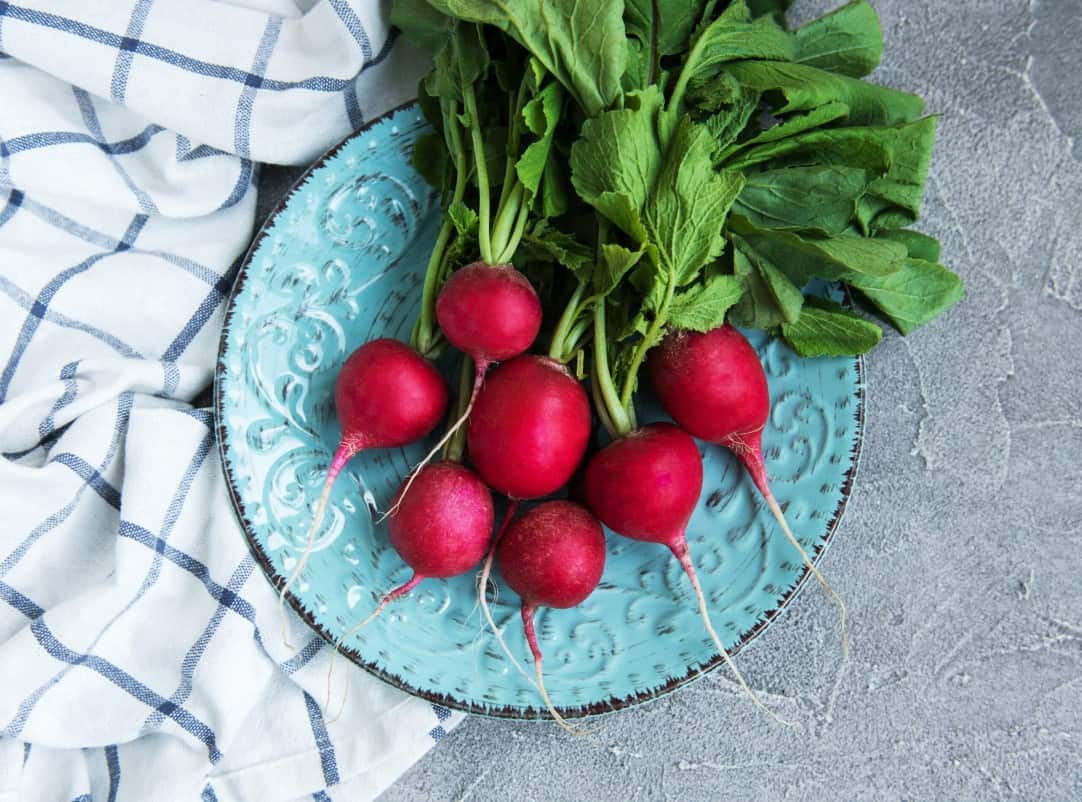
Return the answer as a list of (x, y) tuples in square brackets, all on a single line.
[(342, 263)]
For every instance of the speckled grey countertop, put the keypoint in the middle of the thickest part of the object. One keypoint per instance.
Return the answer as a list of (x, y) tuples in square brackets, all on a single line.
[(960, 554)]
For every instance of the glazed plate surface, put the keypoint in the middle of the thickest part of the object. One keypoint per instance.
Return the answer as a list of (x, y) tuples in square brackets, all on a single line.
[(339, 263)]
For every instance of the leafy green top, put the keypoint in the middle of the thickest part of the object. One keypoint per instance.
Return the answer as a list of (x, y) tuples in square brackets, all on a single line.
[(719, 165)]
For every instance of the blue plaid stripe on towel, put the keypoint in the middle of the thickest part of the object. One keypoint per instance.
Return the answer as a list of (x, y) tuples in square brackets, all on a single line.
[(140, 650)]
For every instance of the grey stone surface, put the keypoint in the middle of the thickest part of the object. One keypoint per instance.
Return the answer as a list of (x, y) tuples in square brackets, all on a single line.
[(960, 554)]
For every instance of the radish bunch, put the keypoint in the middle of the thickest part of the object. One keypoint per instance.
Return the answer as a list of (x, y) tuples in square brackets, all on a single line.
[(630, 186)]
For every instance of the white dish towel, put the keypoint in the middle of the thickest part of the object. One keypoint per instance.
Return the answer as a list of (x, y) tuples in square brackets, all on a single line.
[(140, 651)]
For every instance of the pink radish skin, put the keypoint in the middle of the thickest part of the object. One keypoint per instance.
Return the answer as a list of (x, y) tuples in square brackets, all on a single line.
[(529, 428), (645, 486), (714, 387), (553, 556), (491, 313), (386, 395), (441, 529), (444, 527)]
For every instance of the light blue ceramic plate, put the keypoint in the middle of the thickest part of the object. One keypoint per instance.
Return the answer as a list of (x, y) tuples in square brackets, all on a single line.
[(341, 262)]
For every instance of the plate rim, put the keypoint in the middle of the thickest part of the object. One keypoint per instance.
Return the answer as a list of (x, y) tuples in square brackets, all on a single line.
[(611, 705)]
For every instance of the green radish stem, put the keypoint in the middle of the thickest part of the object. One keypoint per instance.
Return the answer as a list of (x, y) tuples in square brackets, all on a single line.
[(575, 336), (455, 448), (484, 242), (401, 590), (619, 415), (342, 455), (680, 551), (653, 334), (690, 65), (599, 405), (503, 227), (558, 348), (514, 108), (512, 192), (514, 207), (516, 234), (423, 332)]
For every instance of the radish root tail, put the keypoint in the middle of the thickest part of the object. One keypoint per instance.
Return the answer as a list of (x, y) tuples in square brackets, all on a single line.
[(401, 590), (772, 503), (681, 553), (531, 638), (482, 590), (341, 456), (478, 380)]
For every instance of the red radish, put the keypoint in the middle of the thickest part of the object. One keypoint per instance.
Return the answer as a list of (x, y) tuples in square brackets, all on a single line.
[(491, 313), (386, 395), (714, 387), (441, 529), (553, 556), (645, 486), (529, 428)]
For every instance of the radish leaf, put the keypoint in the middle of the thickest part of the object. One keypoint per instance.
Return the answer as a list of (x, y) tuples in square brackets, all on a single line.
[(827, 329), (541, 115), (702, 307), (803, 88), (821, 198), (848, 41), (914, 295), (616, 160), (687, 207), (774, 8), (582, 44), (919, 246), (662, 25)]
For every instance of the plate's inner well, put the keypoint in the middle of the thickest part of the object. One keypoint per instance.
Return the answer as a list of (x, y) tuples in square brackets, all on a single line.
[(342, 263)]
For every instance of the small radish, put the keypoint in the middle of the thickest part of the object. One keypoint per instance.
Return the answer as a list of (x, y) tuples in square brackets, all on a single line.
[(491, 313), (444, 527), (645, 486), (528, 433), (530, 427), (386, 395), (714, 387), (441, 529), (553, 556)]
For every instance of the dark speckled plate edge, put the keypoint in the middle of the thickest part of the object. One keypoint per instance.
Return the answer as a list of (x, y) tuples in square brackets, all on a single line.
[(277, 581)]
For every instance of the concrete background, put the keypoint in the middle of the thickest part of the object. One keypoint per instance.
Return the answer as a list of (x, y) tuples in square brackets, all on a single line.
[(960, 554)]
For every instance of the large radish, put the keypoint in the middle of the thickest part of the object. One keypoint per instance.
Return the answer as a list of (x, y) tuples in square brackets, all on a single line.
[(714, 387), (386, 395), (529, 428), (553, 556), (645, 486)]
